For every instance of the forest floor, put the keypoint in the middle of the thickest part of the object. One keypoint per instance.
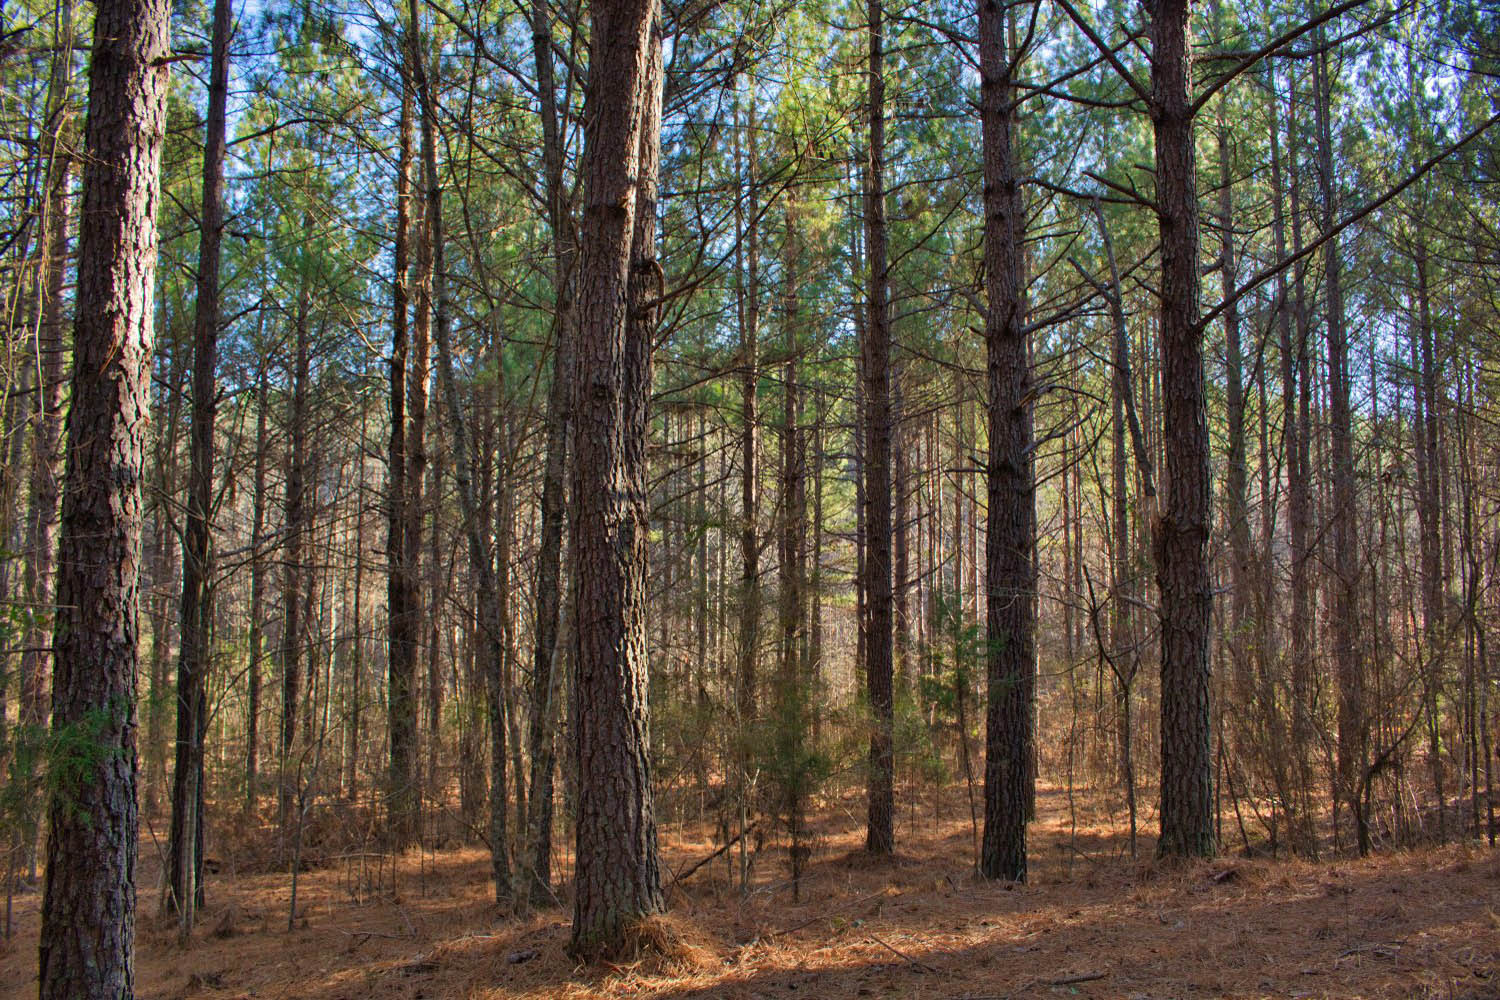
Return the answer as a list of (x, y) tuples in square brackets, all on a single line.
[(1091, 923)]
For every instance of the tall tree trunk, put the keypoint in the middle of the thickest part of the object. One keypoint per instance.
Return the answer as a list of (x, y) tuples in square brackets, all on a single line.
[(618, 882), (1187, 826), (747, 290), (1010, 580), (1429, 505), (1345, 606), (1236, 480), (546, 677), (491, 608), (793, 693), (88, 907), (1125, 660), (163, 568), (46, 467), (880, 837), (257, 593), (401, 624), (1303, 840), (294, 573), (184, 863), (355, 707), (405, 753)]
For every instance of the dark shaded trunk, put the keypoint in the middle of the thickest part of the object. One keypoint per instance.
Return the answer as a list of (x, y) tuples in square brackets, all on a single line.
[(1010, 574), (1351, 751), (875, 352), (1429, 506), (294, 568), (257, 594), (793, 693), (1294, 445), (88, 908), (184, 859), (618, 882), (401, 624), (1236, 480), (545, 675), (46, 467), (1181, 542), (747, 289), (490, 607)]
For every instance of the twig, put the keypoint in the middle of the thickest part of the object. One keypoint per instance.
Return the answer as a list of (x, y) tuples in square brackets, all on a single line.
[(903, 955), (683, 876), (1082, 977), (822, 916), (370, 934)]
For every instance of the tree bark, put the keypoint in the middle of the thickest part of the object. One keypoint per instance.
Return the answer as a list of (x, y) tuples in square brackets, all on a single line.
[(1010, 574), (1187, 827), (294, 572), (618, 882), (401, 624), (88, 908), (747, 272), (1350, 755), (880, 836), (541, 735), (257, 594), (491, 615), (184, 860)]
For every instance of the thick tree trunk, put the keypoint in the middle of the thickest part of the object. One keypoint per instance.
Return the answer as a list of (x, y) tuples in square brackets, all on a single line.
[(88, 908), (1010, 573), (1187, 826), (618, 882), (184, 861), (875, 351)]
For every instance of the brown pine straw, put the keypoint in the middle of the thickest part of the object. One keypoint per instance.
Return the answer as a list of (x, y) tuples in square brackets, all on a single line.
[(1090, 923)]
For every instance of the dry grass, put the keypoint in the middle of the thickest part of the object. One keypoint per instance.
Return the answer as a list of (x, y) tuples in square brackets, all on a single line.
[(1090, 924)]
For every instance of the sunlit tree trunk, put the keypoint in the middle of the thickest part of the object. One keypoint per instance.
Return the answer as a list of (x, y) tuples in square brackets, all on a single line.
[(87, 936)]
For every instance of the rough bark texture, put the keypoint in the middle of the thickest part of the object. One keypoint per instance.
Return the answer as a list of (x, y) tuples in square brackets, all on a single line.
[(618, 882), (401, 656), (1010, 572), (545, 673), (880, 837), (405, 694), (88, 908), (1182, 530), (185, 840)]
